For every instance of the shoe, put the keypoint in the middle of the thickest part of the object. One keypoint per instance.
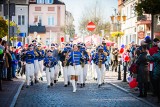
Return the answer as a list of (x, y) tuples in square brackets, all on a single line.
[(9, 80), (65, 85), (55, 81), (36, 81), (31, 83), (99, 86), (41, 79), (48, 86), (74, 90), (103, 83), (68, 83), (51, 84), (27, 86), (81, 86)]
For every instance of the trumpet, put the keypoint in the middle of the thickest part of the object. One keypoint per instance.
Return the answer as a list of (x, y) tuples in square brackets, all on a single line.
[(100, 61)]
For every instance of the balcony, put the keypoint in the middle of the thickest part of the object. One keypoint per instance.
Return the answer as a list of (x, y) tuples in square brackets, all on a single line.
[(38, 29)]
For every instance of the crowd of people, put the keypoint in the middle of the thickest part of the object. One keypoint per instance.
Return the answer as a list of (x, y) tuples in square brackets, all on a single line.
[(74, 61)]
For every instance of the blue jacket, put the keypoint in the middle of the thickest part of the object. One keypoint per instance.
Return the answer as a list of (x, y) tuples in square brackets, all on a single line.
[(75, 57), (51, 59), (30, 56), (41, 54), (101, 57)]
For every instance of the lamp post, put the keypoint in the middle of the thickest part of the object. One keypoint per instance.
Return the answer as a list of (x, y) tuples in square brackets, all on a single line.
[(117, 19)]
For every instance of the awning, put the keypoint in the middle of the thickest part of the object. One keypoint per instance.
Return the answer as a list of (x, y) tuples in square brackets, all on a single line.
[(22, 34), (38, 29)]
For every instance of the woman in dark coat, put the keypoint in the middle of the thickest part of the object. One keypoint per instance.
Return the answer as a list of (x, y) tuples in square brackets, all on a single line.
[(142, 74)]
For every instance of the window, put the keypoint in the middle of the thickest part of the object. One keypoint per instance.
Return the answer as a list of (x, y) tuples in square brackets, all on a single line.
[(38, 20), (49, 1), (50, 20), (21, 20), (40, 1)]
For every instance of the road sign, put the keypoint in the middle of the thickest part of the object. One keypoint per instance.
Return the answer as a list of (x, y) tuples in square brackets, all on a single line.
[(91, 26)]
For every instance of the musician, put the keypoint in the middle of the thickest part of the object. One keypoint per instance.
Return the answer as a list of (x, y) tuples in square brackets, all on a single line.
[(84, 64), (93, 53), (64, 59), (36, 64), (50, 63), (55, 55), (99, 60), (40, 59), (75, 68), (29, 58)]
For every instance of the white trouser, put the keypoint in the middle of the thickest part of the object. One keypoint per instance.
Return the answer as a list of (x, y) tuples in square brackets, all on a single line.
[(85, 70), (36, 69), (29, 72), (50, 75), (61, 68), (100, 74), (40, 68), (65, 75), (56, 72), (81, 76), (94, 72)]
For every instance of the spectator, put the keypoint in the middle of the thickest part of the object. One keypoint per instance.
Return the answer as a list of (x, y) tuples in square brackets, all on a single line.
[(8, 61), (115, 53), (1, 65), (142, 74), (156, 71), (14, 62)]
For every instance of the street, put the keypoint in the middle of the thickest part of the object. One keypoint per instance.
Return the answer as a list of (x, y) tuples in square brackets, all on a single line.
[(90, 96)]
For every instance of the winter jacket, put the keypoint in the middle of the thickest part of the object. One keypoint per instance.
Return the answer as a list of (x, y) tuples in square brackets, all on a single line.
[(156, 68)]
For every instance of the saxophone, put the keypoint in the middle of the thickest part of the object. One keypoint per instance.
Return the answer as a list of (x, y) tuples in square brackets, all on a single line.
[(36, 53), (66, 59), (99, 61), (82, 64)]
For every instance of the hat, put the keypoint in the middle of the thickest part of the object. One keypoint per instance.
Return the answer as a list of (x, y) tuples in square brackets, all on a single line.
[(83, 45), (30, 46), (79, 44), (34, 41), (155, 40), (158, 45), (100, 47), (56, 45), (67, 45), (39, 45), (53, 45), (49, 51), (65, 49)]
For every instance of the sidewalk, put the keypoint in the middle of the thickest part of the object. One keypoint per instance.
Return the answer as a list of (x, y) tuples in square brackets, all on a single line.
[(112, 78), (11, 90)]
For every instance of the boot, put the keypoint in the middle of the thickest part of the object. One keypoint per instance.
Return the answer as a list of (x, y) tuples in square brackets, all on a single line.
[(81, 86), (74, 86)]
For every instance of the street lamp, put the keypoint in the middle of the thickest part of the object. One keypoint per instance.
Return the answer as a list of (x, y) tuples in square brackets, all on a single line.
[(117, 19)]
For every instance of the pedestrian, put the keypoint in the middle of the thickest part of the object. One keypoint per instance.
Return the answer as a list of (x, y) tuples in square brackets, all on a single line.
[(142, 74), (29, 58), (14, 62), (50, 63), (75, 68), (1, 63), (156, 71), (115, 58)]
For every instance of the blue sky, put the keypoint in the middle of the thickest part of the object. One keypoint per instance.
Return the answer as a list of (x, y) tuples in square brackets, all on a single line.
[(77, 7)]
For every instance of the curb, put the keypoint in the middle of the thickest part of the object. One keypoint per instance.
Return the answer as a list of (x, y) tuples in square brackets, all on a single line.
[(122, 89), (16, 95)]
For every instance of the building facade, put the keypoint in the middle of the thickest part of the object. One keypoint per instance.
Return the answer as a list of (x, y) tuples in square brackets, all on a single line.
[(46, 18)]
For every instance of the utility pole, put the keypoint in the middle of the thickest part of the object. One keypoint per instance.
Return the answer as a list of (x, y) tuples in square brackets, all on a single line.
[(8, 23)]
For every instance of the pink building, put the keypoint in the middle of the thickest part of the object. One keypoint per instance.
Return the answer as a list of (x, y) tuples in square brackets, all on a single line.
[(46, 18)]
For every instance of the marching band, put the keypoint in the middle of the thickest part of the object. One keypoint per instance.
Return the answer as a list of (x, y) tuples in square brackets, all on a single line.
[(74, 59)]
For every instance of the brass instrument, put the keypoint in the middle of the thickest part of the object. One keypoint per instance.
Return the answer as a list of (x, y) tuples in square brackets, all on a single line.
[(99, 61), (66, 59), (82, 64), (36, 53)]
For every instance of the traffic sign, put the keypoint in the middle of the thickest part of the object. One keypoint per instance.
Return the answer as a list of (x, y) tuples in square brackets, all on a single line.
[(91, 26), (62, 39)]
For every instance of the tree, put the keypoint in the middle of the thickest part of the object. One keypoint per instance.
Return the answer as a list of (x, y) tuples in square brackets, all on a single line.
[(3, 28), (148, 7), (69, 30), (95, 15)]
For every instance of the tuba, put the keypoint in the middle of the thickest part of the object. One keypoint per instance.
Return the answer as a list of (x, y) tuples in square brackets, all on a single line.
[(99, 61)]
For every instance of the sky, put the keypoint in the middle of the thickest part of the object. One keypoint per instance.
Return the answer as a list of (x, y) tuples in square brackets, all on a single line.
[(77, 7)]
